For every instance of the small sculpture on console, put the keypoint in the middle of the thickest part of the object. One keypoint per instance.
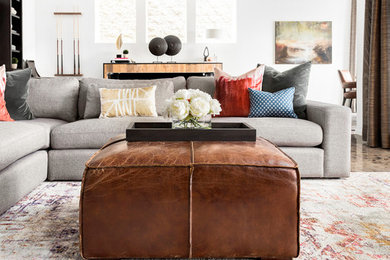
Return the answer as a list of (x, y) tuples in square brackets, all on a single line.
[(158, 46), (174, 46)]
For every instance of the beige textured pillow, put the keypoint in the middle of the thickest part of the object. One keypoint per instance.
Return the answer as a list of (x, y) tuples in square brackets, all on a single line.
[(128, 102)]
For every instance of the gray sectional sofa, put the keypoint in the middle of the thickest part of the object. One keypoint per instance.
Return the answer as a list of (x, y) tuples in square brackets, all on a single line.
[(66, 132)]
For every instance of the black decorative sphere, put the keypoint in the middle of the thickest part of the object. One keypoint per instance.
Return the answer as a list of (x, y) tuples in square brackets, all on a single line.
[(158, 46), (174, 45)]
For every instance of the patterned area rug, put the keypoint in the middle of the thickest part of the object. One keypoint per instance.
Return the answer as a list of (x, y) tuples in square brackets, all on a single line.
[(340, 219)]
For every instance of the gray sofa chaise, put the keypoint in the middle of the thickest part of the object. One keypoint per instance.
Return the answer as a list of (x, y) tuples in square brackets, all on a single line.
[(67, 131)]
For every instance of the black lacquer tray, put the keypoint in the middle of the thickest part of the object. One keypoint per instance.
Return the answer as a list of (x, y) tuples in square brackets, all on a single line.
[(162, 131)]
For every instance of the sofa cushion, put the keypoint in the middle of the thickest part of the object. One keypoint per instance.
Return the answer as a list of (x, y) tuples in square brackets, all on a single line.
[(205, 84), (48, 123), (89, 102), (16, 92), (54, 98), (297, 77), (179, 83), (19, 179), (267, 104), (4, 115), (128, 102), (232, 92), (283, 131), (68, 165), (19, 139), (309, 159), (92, 133)]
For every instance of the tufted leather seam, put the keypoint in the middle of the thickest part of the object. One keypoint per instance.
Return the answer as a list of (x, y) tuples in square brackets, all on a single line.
[(190, 202), (191, 165)]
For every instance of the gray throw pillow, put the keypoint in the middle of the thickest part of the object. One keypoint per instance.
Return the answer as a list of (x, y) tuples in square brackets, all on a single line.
[(54, 98), (16, 94), (297, 77), (89, 90), (205, 84)]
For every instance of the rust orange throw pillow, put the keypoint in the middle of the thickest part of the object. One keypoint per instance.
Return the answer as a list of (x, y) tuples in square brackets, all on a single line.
[(232, 92), (4, 115)]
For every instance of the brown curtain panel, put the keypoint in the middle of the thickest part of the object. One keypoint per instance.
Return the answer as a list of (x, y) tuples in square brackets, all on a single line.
[(376, 74)]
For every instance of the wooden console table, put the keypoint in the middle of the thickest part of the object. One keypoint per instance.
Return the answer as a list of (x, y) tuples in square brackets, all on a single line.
[(158, 70)]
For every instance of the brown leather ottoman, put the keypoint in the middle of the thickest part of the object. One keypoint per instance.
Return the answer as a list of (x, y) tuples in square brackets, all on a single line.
[(190, 200)]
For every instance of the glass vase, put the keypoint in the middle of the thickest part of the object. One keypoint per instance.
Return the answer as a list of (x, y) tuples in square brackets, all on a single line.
[(192, 123)]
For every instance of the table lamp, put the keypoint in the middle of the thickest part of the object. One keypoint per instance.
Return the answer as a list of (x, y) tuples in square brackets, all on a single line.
[(211, 34)]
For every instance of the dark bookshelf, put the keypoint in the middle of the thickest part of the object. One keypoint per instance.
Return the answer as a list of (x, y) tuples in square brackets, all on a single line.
[(11, 31)]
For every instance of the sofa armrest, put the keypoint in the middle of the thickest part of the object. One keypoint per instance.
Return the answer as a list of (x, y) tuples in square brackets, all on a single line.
[(335, 121)]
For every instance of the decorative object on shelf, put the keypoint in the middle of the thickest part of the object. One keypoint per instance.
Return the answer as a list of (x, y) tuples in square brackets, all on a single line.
[(158, 46), (15, 62), (211, 34), (60, 44), (192, 108), (120, 60), (13, 47), (299, 42), (76, 38), (174, 46), (13, 11), (125, 54), (76, 43), (206, 53), (118, 44)]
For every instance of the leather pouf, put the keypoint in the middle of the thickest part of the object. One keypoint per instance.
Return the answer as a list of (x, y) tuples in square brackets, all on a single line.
[(190, 200)]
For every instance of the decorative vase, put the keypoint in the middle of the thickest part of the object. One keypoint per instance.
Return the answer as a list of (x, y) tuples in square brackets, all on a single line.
[(126, 56), (14, 66), (192, 109), (192, 123)]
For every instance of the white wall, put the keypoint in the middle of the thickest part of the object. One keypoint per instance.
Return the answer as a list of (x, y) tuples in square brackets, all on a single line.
[(29, 29), (255, 39)]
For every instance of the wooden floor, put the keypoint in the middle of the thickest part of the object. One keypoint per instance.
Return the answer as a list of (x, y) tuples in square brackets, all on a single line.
[(367, 159)]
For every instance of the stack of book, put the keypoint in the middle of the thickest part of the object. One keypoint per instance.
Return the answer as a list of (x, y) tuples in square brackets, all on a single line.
[(120, 60)]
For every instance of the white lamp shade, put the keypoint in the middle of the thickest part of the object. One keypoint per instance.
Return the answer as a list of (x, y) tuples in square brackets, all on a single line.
[(214, 33)]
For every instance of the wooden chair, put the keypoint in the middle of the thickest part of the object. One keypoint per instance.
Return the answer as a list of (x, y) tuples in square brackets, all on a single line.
[(349, 87)]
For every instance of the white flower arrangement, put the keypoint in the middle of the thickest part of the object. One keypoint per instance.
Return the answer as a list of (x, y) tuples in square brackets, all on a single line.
[(191, 105)]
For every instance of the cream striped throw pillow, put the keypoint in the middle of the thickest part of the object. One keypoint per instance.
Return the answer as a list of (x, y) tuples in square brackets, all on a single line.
[(128, 102)]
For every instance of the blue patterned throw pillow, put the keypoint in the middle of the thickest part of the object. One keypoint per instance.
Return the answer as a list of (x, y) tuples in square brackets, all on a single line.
[(267, 104)]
